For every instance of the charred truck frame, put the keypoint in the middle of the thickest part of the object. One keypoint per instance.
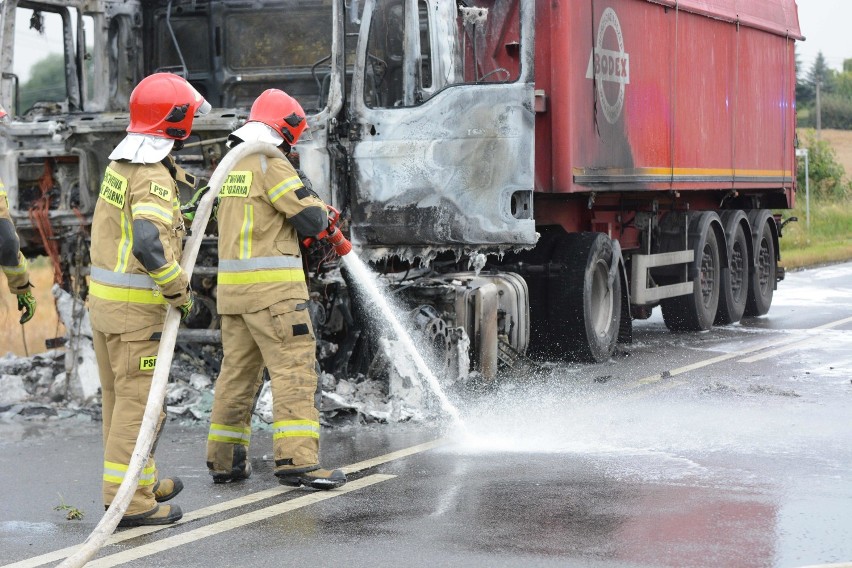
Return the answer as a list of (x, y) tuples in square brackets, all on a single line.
[(529, 176)]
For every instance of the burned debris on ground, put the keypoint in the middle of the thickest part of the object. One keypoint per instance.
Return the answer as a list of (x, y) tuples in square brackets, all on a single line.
[(63, 383)]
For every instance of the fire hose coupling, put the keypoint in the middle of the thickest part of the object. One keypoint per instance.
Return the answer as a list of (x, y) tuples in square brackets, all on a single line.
[(333, 235)]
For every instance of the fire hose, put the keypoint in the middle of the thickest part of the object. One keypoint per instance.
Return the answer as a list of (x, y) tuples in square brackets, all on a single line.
[(106, 526)]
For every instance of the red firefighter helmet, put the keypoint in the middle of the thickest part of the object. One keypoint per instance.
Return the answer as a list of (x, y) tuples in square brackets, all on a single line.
[(3, 112), (281, 112), (164, 105)]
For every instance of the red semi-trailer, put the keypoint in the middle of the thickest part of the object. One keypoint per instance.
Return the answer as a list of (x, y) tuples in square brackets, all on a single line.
[(658, 123), (532, 175)]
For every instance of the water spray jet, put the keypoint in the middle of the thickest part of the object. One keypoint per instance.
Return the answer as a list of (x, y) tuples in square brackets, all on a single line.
[(368, 285)]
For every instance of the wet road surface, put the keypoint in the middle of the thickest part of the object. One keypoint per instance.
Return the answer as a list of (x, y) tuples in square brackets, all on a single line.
[(726, 448)]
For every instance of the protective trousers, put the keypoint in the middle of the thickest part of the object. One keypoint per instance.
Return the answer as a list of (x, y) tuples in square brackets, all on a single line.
[(126, 367), (281, 338)]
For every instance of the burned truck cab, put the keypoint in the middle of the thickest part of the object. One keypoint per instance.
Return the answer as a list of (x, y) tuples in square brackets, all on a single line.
[(420, 129)]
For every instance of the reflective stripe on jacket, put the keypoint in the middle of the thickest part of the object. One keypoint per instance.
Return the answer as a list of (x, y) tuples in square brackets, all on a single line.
[(124, 296), (259, 259)]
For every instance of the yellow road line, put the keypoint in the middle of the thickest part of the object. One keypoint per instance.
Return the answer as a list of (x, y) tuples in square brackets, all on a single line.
[(233, 523), (128, 534)]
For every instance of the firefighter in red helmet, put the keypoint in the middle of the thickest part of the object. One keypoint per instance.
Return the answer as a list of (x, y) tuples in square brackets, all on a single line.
[(137, 233), (12, 261), (262, 296)]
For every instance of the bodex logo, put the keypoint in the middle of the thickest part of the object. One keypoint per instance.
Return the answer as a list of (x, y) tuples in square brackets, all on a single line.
[(610, 68)]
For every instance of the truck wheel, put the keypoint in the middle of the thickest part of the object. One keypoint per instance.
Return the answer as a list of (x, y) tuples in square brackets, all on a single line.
[(762, 285), (696, 311), (733, 284), (537, 284), (585, 307)]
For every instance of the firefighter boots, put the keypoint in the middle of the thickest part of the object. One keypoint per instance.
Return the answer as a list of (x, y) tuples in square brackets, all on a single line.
[(159, 515), (312, 476), (240, 467), (167, 488)]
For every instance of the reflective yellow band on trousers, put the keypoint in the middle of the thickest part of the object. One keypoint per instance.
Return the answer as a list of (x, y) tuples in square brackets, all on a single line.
[(229, 434), (115, 473), (262, 276), (295, 429), (131, 295)]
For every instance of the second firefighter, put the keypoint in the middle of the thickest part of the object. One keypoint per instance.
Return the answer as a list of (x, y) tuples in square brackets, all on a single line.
[(262, 299)]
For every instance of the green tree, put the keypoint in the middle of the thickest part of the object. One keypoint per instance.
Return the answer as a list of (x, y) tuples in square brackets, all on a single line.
[(46, 83), (805, 92), (821, 73), (825, 172)]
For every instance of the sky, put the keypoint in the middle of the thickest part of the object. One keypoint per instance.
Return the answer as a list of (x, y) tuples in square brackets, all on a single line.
[(825, 25)]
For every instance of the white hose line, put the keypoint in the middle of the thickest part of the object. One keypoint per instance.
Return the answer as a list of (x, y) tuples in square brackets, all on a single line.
[(157, 394)]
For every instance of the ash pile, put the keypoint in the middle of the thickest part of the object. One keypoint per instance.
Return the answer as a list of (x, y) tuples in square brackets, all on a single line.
[(63, 383)]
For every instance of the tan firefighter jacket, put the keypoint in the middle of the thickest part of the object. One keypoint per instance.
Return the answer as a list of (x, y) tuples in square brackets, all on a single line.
[(12, 260), (124, 295), (259, 259)]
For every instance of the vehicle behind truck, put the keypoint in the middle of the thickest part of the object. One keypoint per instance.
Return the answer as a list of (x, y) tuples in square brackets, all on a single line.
[(530, 177)]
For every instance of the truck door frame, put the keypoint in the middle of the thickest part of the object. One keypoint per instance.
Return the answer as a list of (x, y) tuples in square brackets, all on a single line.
[(412, 184)]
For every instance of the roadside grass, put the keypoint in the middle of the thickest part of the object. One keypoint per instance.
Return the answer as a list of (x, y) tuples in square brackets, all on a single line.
[(828, 240), (44, 325)]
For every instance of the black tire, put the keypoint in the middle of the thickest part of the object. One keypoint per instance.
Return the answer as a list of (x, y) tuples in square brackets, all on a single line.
[(585, 308), (537, 284), (762, 285), (696, 311), (734, 281)]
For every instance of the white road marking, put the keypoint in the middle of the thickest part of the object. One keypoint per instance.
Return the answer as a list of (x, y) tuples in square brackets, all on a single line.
[(796, 345), (128, 534), (366, 464), (233, 523), (791, 342)]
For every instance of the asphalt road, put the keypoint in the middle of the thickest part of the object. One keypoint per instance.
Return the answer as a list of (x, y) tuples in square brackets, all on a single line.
[(726, 448)]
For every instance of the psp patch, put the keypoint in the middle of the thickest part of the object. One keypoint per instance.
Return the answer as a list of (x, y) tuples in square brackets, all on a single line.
[(163, 193), (113, 188), (237, 184), (147, 363)]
